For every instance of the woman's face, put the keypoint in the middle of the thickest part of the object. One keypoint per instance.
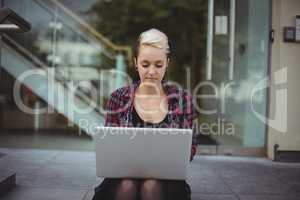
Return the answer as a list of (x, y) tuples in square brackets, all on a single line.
[(151, 64)]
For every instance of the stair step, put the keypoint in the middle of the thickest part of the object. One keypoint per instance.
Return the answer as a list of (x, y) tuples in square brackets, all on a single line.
[(7, 180), (2, 154)]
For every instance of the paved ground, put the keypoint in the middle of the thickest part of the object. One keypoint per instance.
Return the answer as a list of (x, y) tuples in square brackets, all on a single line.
[(70, 175)]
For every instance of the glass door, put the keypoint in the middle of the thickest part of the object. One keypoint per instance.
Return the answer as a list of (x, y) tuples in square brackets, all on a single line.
[(237, 60)]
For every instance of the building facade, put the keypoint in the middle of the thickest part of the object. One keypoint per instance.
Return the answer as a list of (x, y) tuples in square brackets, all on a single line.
[(240, 110)]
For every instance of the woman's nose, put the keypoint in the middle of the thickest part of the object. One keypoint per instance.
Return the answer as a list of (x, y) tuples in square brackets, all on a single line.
[(151, 70)]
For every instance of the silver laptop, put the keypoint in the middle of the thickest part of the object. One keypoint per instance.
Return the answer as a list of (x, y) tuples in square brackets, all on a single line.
[(160, 153)]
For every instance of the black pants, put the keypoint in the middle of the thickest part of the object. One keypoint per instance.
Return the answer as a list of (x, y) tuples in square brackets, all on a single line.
[(172, 190)]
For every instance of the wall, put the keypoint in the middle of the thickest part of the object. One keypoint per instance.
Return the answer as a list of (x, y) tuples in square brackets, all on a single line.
[(285, 55)]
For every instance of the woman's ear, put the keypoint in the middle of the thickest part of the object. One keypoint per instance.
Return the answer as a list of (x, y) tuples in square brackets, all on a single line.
[(135, 63), (168, 61)]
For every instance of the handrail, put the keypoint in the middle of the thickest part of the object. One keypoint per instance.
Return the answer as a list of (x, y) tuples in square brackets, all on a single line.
[(92, 30), (42, 65), (19, 24), (89, 37)]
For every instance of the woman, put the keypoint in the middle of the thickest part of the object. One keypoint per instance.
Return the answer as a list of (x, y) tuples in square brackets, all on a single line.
[(150, 102)]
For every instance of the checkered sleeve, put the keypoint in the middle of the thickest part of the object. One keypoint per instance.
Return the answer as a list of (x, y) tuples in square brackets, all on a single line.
[(192, 115), (112, 116), (191, 118)]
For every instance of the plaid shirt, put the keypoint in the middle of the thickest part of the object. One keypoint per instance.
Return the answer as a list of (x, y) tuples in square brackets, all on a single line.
[(181, 112)]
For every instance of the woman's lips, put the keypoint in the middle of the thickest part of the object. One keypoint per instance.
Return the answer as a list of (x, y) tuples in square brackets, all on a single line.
[(151, 78)]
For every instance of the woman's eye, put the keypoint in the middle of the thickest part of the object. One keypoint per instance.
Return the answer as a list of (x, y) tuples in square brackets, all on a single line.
[(145, 66), (158, 66)]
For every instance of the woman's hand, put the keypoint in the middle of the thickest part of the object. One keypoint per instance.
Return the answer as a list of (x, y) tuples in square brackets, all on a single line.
[(193, 152)]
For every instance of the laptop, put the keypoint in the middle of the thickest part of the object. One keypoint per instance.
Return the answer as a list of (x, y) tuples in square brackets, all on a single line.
[(159, 153)]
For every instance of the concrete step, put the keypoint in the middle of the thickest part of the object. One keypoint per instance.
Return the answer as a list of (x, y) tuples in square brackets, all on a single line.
[(7, 179), (2, 155)]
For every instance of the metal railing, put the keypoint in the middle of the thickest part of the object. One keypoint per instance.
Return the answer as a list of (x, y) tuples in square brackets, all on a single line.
[(40, 64)]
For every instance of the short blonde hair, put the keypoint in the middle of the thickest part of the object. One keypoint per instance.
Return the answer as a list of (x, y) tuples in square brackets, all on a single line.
[(155, 38)]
